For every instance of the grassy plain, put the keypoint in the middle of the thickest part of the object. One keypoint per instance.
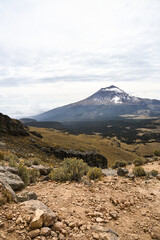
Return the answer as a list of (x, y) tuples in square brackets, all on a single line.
[(82, 142)]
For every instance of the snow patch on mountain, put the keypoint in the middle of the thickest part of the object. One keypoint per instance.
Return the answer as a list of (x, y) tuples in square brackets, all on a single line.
[(112, 89), (116, 100)]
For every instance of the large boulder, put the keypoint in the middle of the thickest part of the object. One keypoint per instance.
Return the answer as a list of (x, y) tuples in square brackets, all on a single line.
[(8, 169), (25, 196), (49, 217), (122, 171), (13, 180), (109, 172), (6, 192), (12, 169), (2, 169), (42, 169)]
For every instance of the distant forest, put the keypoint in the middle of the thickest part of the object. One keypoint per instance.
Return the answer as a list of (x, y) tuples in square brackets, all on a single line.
[(126, 130)]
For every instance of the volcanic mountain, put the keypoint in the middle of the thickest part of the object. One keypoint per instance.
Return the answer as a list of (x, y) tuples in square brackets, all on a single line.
[(108, 103)]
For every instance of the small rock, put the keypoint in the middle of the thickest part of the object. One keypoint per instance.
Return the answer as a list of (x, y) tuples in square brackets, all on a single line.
[(45, 231), (72, 224), (11, 229), (158, 177), (80, 223), (9, 215), (2, 235), (130, 176), (114, 215), (34, 233), (95, 236), (1, 224), (61, 236), (99, 220), (37, 220), (58, 226), (122, 171), (155, 234), (50, 219), (19, 220)]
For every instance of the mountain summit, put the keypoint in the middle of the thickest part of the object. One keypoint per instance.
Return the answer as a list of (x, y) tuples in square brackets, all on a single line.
[(107, 103), (109, 95)]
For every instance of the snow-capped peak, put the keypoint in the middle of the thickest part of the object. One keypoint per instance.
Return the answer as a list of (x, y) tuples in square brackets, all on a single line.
[(112, 88), (109, 96)]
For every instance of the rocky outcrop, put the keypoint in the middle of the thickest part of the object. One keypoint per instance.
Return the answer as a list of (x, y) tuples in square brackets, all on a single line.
[(13, 180), (43, 216), (12, 126), (91, 158), (26, 196), (42, 169), (6, 192), (8, 169)]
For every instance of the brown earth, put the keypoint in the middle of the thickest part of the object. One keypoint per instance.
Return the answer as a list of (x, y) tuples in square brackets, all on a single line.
[(130, 208)]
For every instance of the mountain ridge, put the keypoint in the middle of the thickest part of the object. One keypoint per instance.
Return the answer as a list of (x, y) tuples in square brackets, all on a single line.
[(106, 103)]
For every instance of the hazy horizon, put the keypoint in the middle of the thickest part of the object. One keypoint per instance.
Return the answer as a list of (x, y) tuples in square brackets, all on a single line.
[(53, 53)]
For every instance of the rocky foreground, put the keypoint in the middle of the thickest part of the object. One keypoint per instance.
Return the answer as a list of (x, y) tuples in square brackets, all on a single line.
[(112, 209)]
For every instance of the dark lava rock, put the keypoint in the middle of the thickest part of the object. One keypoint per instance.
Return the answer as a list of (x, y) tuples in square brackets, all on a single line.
[(122, 171), (91, 158)]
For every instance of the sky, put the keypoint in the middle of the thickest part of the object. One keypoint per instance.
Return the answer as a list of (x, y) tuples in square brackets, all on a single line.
[(55, 52)]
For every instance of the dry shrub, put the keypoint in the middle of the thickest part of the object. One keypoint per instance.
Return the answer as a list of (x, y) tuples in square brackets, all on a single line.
[(95, 173), (72, 169)]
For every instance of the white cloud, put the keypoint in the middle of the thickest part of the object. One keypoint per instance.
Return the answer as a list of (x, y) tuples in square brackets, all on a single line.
[(56, 52)]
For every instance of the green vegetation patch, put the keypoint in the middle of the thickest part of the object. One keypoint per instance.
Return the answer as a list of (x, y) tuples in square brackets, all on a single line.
[(95, 173), (139, 171), (72, 169)]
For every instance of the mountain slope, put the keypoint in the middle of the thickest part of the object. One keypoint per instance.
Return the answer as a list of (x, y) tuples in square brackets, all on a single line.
[(107, 103), (12, 126)]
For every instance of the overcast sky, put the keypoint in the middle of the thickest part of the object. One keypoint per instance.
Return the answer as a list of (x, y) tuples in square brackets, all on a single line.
[(54, 52)]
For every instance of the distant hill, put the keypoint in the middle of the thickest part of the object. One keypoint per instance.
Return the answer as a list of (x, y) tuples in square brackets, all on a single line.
[(108, 103), (27, 120), (12, 126)]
